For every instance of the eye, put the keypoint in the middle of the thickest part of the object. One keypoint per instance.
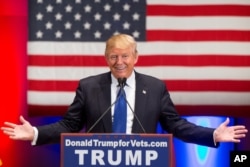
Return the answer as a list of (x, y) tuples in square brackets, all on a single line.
[(113, 57), (124, 56)]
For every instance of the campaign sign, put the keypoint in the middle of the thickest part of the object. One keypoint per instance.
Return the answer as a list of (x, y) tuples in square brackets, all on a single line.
[(116, 150)]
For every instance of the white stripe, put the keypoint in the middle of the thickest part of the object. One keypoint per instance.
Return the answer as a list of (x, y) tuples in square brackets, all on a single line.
[(198, 2), (66, 48), (197, 23), (63, 73), (211, 98), (181, 98), (194, 48), (144, 48), (189, 73), (50, 98)]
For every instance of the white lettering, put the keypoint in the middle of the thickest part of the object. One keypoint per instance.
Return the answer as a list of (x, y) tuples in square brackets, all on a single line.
[(150, 155), (81, 154), (118, 157), (97, 155), (131, 158), (240, 158), (135, 159), (78, 143)]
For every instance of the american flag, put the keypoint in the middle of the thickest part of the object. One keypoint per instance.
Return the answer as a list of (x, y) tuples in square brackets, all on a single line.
[(200, 49)]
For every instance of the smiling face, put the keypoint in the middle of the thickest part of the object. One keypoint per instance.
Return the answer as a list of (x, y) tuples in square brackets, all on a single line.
[(121, 55)]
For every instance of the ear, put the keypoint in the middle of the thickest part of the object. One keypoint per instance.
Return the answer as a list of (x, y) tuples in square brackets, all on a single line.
[(106, 59), (136, 58)]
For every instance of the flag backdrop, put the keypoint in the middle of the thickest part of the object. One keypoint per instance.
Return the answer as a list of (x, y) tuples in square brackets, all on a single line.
[(201, 49)]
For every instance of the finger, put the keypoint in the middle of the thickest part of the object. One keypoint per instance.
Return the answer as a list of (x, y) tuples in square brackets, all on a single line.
[(239, 136), (10, 124), (9, 133), (241, 131), (239, 127), (13, 137), (236, 140), (7, 129)]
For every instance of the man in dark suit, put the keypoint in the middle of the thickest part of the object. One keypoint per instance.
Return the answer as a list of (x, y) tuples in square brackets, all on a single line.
[(148, 102)]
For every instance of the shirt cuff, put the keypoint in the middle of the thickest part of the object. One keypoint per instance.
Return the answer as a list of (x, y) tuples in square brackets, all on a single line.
[(214, 138), (33, 142)]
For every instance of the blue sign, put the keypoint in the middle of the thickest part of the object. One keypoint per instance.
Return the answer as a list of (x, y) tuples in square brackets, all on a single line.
[(116, 150)]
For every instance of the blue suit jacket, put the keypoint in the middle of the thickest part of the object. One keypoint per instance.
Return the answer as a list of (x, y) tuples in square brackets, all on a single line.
[(152, 105)]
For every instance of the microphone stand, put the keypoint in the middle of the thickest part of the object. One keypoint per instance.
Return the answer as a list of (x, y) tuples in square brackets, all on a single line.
[(121, 84)]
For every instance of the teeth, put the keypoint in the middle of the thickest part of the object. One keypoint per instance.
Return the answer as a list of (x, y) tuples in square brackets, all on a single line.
[(120, 68)]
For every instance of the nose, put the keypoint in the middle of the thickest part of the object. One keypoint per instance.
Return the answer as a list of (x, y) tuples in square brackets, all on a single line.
[(119, 60)]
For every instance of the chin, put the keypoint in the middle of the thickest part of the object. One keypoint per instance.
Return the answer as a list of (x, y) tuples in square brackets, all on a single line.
[(120, 76)]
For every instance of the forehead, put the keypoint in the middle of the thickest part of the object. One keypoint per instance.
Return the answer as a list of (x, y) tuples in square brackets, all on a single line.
[(120, 51)]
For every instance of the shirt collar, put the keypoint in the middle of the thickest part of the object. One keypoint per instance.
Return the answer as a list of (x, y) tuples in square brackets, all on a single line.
[(130, 80)]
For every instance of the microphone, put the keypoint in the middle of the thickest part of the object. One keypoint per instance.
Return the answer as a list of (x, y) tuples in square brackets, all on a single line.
[(121, 84)]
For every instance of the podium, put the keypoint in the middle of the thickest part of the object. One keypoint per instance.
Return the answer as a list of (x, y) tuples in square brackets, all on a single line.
[(81, 149)]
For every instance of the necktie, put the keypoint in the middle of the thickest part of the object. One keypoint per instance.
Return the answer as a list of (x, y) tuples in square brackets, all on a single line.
[(120, 113)]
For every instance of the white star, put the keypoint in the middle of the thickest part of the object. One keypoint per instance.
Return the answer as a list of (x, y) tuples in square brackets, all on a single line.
[(87, 26), (97, 16), (116, 0), (87, 9), (58, 1), (67, 25), (77, 34), (107, 26), (116, 17), (97, 34), (68, 8), (97, 1), (126, 7), (136, 0), (49, 8), (136, 34), (107, 7), (39, 34), (58, 16), (58, 34), (49, 25), (126, 26), (39, 16), (136, 16), (78, 16), (78, 1), (39, 1), (116, 33)]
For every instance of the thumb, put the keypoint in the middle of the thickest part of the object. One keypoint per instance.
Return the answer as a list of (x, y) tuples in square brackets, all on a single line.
[(226, 122), (22, 120)]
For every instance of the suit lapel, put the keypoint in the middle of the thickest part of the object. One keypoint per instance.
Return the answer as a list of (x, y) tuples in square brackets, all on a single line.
[(140, 102)]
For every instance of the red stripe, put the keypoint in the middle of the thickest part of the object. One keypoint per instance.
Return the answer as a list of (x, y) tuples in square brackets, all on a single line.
[(198, 35), (203, 110), (208, 85), (66, 60), (153, 60), (198, 10), (230, 111), (173, 85), (42, 85)]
